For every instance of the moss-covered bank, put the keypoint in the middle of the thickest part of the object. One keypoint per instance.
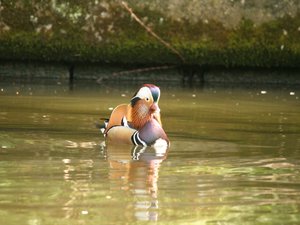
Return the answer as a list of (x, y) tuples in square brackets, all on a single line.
[(103, 31)]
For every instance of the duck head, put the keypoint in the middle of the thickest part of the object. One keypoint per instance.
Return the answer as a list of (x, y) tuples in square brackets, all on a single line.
[(144, 105)]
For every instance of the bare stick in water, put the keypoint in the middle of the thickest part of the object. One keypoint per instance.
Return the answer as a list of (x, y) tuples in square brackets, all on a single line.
[(140, 70), (137, 19)]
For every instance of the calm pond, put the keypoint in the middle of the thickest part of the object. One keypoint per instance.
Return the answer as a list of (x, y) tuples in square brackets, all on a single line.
[(234, 157)]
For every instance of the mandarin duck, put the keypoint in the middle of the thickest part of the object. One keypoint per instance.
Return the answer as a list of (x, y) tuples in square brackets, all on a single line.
[(139, 121)]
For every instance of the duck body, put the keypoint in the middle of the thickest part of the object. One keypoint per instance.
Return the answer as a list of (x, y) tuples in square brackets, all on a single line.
[(139, 122), (151, 132)]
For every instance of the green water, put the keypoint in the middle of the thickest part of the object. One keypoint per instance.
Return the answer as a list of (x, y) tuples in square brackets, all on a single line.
[(234, 157)]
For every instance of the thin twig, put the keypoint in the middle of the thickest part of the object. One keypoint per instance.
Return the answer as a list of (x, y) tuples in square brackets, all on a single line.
[(137, 19)]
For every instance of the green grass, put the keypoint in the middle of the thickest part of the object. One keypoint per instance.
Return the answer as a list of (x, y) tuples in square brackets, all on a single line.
[(271, 44)]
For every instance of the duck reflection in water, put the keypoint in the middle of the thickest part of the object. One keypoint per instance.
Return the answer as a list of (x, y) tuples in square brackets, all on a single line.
[(135, 169)]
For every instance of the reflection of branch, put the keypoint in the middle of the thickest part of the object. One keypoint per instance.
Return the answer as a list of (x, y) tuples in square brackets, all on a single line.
[(170, 47)]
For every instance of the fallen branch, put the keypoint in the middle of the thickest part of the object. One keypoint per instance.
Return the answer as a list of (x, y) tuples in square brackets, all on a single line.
[(166, 44), (140, 70)]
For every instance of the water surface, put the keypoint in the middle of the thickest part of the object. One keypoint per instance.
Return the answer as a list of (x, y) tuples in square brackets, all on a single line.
[(234, 157)]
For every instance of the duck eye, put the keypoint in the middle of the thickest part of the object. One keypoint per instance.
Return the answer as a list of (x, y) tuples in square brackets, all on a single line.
[(147, 99)]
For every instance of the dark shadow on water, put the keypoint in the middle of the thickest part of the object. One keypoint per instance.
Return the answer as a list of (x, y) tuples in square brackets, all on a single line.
[(72, 85)]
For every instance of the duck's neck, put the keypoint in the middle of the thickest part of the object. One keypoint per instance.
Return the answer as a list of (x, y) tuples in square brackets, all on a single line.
[(140, 115)]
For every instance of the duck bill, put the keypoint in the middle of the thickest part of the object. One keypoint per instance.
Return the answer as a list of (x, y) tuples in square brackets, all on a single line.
[(157, 117), (156, 112)]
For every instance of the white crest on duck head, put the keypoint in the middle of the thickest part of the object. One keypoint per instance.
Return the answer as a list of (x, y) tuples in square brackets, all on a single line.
[(149, 92), (143, 93)]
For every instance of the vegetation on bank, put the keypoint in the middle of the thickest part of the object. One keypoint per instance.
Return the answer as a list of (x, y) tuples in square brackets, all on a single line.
[(99, 31)]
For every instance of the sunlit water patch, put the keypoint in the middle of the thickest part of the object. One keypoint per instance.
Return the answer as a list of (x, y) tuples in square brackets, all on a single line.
[(234, 157)]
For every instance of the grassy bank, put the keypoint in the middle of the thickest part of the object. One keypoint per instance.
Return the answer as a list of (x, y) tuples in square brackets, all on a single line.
[(106, 33)]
